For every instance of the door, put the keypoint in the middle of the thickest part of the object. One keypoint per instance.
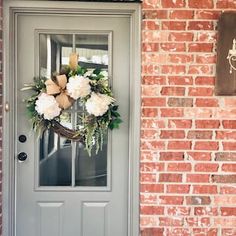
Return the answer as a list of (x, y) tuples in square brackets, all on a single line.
[(60, 190)]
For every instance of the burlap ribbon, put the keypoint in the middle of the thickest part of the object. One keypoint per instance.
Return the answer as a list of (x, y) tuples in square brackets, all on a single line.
[(58, 86)]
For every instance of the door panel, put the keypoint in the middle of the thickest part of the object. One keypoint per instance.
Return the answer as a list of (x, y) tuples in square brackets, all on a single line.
[(61, 192)]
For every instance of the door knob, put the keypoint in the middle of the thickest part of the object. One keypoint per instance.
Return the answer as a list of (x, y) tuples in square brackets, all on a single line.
[(22, 156)]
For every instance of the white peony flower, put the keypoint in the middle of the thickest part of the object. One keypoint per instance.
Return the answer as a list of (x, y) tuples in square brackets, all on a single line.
[(104, 73), (98, 104), (47, 106), (78, 87)]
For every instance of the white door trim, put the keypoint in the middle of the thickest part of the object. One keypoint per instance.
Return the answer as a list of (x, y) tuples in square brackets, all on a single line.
[(12, 8)]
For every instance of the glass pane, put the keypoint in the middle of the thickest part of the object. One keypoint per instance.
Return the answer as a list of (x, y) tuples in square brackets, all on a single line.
[(90, 171), (93, 54), (54, 52), (55, 160), (92, 50)]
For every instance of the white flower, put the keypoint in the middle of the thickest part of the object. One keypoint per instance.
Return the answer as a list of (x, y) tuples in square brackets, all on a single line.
[(78, 87), (104, 73), (98, 104), (47, 106)]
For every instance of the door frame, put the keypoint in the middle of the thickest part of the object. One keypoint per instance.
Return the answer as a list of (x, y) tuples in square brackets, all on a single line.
[(11, 9)]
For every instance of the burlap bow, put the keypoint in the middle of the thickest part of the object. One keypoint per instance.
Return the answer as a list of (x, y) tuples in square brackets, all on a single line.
[(58, 86)]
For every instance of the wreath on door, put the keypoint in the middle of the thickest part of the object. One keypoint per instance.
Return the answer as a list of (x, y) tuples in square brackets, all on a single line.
[(51, 97)]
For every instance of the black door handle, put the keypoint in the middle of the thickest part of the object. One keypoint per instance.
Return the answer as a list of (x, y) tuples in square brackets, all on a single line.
[(22, 156)]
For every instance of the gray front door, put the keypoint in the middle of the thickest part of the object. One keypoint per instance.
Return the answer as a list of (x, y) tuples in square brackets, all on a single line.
[(60, 190)]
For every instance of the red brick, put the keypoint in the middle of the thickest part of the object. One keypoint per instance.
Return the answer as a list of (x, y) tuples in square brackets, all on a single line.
[(228, 190), (147, 177), (205, 231), (207, 14), (198, 178), (179, 123), (204, 145), (172, 134), (173, 91), (150, 4), (152, 188), (149, 112), (152, 231), (148, 58), (228, 232), (171, 156), (198, 200), (171, 200), (154, 80), (173, 25), (163, 177), (150, 47), (229, 124), (199, 156), (226, 134), (178, 188), (205, 80), (154, 14), (224, 200), (229, 167), (206, 167), (207, 102), (154, 102), (226, 113), (178, 231), (208, 211), (180, 102), (176, 145), (203, 189), (225, 156), (152, 145), (230, 102), (200, 25), (182, 37), (151, 210), (206, 37), (181, 14), (206, 59), (226, 4), (150, 69), (199, 134), (180, 80), (179, 167), (151, 167), (148, 198), (229, 145), (223, 178), (200, 47), (149, 134), (228, 211), (172, 112), (198, 222), (152, 123), (150, 25), (207, 124), (225, 222), (173, 4), (176, 47), (200, 69), (173, 69), (178, 211), (200, 4), (200, 91), (180, 58), (166, 221)]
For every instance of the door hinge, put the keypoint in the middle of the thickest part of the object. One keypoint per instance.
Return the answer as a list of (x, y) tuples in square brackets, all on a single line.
[(7, 107)]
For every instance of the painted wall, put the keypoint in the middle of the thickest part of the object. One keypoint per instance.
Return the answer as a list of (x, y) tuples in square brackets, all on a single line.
[(188, 147)]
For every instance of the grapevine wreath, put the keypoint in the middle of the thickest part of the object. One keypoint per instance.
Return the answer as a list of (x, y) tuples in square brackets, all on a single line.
[(74, 83)]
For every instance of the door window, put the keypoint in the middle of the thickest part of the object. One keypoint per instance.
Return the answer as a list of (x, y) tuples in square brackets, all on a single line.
[(63, 162)]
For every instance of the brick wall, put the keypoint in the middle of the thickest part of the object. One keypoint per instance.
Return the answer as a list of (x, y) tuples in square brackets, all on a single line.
[(188, 143)]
